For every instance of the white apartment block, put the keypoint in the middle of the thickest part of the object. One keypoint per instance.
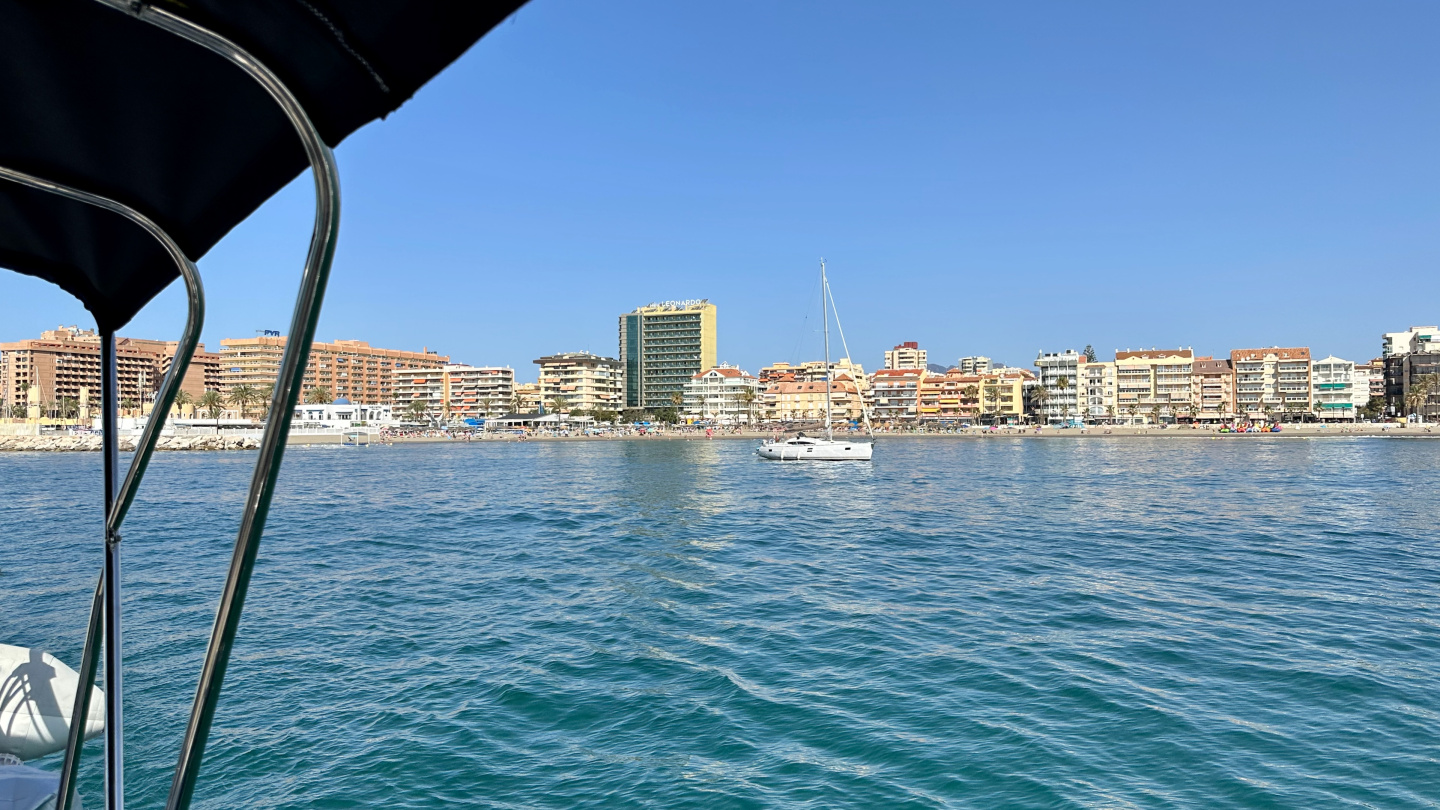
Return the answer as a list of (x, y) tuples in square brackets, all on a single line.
[(423, 385), (477, 392), (906, 355), (724, 395), (975, 364), (1270, 383), (895, 393), (1154, 385), (1059, 375), (455, 392), (1096, 392), (582, 381), (1414, 340), (1336, 390)]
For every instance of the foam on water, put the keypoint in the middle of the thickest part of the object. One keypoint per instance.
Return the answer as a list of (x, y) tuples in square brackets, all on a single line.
[(999, 623)]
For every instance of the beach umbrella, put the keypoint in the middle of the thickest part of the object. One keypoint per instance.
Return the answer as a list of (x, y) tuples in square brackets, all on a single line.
[(136, 135)]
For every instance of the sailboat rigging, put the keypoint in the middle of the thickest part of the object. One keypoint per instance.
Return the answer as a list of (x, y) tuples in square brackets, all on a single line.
[(806, 448)]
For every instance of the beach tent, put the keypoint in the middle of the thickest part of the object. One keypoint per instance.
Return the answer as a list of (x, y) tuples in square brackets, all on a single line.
[(136, 135)]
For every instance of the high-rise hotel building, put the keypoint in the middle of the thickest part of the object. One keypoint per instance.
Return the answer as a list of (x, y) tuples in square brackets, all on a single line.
[(349, 368), (662, 346)]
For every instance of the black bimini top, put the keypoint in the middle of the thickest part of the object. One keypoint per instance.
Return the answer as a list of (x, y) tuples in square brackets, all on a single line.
[(93, 98)]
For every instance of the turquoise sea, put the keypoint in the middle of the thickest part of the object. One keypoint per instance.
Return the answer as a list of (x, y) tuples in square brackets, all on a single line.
[(1056, 623)]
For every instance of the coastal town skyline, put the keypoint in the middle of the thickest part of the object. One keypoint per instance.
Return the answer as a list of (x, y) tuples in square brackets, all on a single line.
[(666, 366)]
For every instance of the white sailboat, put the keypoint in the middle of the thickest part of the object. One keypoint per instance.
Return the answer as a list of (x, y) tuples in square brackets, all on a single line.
[(809, 448)]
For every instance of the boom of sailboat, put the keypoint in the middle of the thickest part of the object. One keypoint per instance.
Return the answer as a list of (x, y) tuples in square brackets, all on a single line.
[(809, 448)]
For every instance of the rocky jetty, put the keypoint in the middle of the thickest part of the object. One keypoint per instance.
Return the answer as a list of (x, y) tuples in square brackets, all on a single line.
[(67, 443)]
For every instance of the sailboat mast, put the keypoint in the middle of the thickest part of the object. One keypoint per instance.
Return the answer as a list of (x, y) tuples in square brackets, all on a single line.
[(825, 315)]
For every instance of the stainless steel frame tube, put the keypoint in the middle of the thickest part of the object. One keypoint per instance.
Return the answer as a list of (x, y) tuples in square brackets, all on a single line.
[(117, 506), (287, 386), (114, 724)]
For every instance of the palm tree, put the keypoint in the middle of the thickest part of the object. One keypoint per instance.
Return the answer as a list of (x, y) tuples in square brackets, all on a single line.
[(560, 404), (1429, 385), (213, 404), (417, 410), (747, 397), (183, 398), (127, 404), (69, 408), (319, 395), (263, 395), (970, 392), (1155, 413), (992, 399), (1417, 397), (242, 396), (1064, 385), (1038, 397)]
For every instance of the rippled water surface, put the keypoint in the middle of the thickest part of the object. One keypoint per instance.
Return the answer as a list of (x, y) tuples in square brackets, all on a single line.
[(999, 623)]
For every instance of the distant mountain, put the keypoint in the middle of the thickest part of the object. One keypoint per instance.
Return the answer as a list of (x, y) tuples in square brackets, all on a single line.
[(936, 368)]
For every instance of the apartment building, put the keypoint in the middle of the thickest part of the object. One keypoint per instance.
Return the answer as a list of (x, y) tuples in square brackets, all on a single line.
[(976, 364), (949, 397), (454, 392), (351, 369), (1212, 389), (894, 393), (907, 355), (1404, 374), (526, 398), (1059, 374), (1337, 393), (1002, 394), (477, 392), (805, 401), (1154, 385), (1095, 384), (64, 364), (724, 394), (1271, 383), (1415, 340), (582, 381), (662, 346), (1374, 374)]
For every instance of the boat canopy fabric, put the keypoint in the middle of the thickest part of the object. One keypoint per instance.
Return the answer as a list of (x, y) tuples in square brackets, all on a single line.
[(96, 99)]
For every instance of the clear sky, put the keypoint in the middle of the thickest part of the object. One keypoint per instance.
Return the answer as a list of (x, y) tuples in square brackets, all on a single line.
[(985, 178)]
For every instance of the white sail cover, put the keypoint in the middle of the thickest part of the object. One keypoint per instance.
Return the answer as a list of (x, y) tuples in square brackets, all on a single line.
[(37, 694)]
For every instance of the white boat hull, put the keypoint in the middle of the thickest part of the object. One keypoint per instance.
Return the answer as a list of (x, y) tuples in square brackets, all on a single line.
[(816, 450)]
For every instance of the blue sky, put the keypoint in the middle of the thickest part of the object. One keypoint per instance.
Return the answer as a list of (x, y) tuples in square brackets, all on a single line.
[(985, 178)]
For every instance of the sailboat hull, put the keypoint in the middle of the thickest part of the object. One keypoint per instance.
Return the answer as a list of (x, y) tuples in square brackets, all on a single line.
[(816, 450)]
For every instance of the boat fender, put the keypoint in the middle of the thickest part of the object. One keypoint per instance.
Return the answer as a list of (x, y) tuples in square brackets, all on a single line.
[(37, 694)]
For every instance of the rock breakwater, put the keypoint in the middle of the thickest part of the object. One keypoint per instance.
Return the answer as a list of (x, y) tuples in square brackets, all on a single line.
[(67, 443)]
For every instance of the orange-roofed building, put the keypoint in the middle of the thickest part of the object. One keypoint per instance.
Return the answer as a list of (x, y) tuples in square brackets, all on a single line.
[(724, 394), (895, 393)]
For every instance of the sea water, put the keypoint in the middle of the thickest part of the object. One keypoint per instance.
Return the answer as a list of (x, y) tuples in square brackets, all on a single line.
[(1103, 622)]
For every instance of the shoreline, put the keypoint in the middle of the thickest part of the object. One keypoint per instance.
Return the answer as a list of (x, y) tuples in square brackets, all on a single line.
[(91, 443)]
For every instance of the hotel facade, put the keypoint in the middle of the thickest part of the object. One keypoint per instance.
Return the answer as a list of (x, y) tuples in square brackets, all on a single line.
[(352, 369), (664, 345)]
